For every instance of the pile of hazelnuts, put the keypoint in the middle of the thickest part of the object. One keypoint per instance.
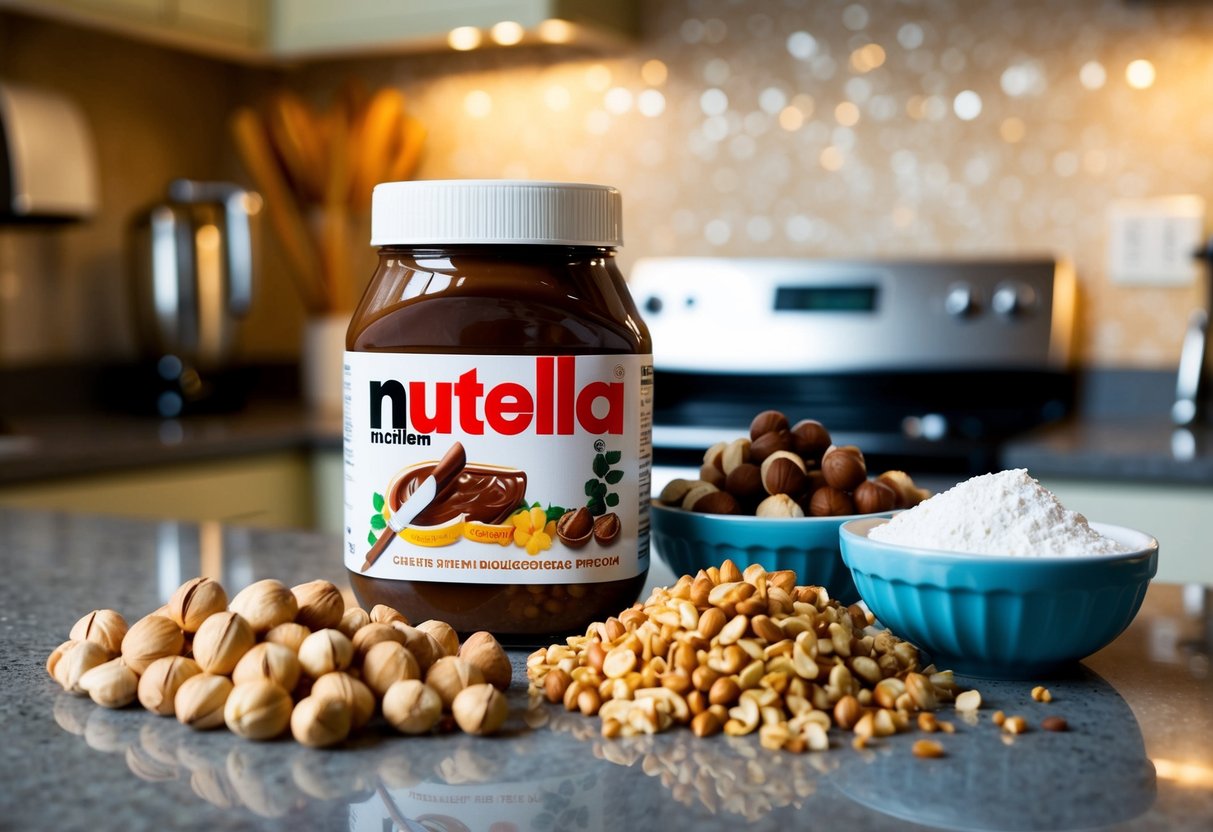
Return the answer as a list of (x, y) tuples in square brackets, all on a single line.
[(785, 470)]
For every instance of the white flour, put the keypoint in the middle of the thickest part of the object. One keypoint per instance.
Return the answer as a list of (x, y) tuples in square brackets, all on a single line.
[(1007, 513)]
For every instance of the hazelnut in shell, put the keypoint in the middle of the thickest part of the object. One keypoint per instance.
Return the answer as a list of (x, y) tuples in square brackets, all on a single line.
[(52, 661), (811, 439), (320, 604), (714, 455), (82, 657), (485, 652), (908, 494), (779, 505), (105, 627), (265, 604), (271, 662), (195, 601), (412, 707), (451, 674), (574, 528), (717, 502), (200, 699), (831, 502), (383, 614), (258, 710), (480, 709), (386, 663), (768, 421), (159, 684), (607, 528), (111, 685), (443, 633), (872, 496), (674, 491), (354, 692), (370, 635), (424, 647), (735, 453), (354, 619), (745, 482), (783, 473), (843, 467), (693, 494), (319, 722), (325, 651), (290, 635), (712, 474), (150, 638), (769, 443), (221, 641)]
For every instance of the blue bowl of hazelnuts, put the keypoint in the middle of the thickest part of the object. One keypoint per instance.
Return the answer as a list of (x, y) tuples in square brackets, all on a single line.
[(776, 498)]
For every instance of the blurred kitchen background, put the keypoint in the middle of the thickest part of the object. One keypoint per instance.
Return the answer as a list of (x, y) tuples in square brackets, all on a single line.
[(790, 128)]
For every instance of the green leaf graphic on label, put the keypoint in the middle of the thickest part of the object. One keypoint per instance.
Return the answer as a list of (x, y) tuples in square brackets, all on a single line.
[(377, 521), (613, 457), (600, 490), (555, 512), (589, 487), (600, 465), (596, 506), (377, 500), (612, 499), (371, 539), (613, 477)]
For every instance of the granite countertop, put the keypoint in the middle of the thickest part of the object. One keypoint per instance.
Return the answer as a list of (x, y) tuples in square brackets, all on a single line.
[(1137, 757)]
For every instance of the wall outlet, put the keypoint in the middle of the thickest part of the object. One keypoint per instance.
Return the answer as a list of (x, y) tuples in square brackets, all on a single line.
[(1151, 242)]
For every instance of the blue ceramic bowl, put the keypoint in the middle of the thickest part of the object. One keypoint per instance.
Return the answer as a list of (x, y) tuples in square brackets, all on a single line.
[(1001, 617), (689, 541)]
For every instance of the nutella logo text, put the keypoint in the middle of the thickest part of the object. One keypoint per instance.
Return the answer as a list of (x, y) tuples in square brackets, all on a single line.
[(550, 404)]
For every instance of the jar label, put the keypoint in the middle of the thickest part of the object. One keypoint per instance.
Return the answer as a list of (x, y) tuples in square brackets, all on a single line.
[(460, 468)]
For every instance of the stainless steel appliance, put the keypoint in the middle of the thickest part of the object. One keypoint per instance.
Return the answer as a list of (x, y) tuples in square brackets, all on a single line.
[(192, 264), (926, 365)]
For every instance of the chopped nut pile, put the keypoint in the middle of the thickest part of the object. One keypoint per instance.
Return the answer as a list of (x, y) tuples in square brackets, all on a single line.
[(784, 470), (742, 653), (278, 657)]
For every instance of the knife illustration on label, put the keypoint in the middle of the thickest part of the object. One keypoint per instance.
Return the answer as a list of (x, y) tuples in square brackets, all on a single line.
[(444, 474)]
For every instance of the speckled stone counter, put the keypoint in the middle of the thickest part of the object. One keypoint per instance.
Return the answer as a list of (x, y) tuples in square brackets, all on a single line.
[(1138, 756)]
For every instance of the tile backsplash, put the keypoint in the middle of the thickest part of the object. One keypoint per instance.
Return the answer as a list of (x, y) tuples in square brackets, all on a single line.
[(869, 128)]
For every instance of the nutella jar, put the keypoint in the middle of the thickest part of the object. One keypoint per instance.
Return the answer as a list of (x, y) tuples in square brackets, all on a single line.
[(498, 410)]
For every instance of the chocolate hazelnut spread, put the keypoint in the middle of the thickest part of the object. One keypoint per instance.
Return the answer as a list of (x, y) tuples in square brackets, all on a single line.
[(498, 321)]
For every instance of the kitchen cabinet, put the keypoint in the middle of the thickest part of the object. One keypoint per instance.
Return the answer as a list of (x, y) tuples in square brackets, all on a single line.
[(269, 31)]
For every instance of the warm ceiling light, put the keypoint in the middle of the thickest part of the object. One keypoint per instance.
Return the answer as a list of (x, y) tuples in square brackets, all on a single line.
[(506, 33), (463, 38), (1140, 74), (555, 30)]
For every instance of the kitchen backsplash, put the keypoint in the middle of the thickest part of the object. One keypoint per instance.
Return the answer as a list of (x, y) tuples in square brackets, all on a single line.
[(808, 128)]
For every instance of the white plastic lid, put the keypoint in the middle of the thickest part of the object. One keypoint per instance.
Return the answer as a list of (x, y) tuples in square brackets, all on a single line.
[(495, 211)]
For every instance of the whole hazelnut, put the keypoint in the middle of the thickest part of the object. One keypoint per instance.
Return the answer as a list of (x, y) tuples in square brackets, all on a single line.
[(555, 684), (712, 474), (449, 675), (195, 601), (105, 627), (200, 699), (52, 661), (607, 529), (783, 473), (412, 707), (714, 455), (718, 502), (810, 438), (150, 638), (831, 502), (779, 505), (424, 647), (480, 709), (735, 453), (843, 467), (354, 619), (320, 604), (327, 650), (289, 635), (908, 494), (745, 481), (574, 527), (265, 604), (112, 684), (373, 633), (354, 692), (674, 491), (766, 422), (271, 662), (873, 496), (769, 443), (221, 641), (257, 710), (386, 663), (697, 490), (483, 650), (443, 633), (319, 722), (159, 684), (383, 614), (82, 657)]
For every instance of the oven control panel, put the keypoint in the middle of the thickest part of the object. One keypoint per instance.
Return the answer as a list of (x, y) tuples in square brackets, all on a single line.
[(733, 315)]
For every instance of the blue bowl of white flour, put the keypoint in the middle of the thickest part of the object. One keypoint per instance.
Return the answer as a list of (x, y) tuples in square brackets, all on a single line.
[(996, 579)]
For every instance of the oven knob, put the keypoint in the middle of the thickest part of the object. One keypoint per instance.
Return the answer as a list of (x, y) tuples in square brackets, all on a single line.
[(960, 301), (1012, 299)]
